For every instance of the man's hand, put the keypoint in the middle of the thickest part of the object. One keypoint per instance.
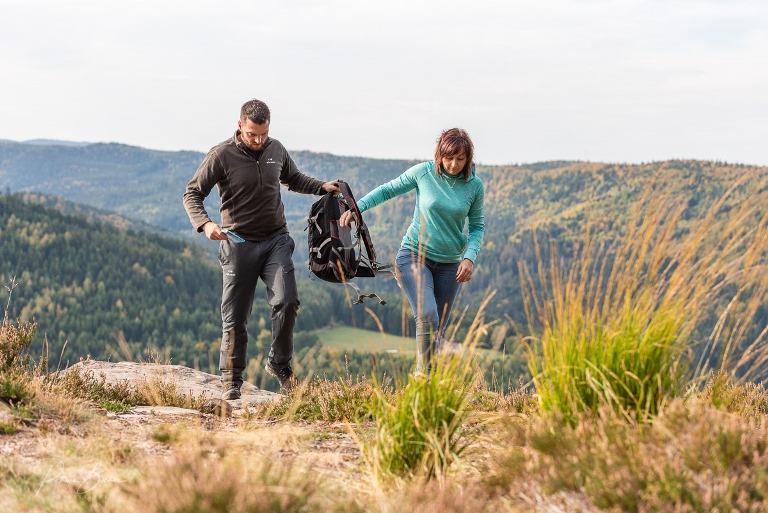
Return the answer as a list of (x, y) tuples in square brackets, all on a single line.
[(464, 272), (347, 218), (331, 187), (213, 231)]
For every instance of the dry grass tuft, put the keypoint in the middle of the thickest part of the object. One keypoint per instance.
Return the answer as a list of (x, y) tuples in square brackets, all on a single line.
[(749, 400), (316, 399), (692, 457), (119, 397), (210, 479)]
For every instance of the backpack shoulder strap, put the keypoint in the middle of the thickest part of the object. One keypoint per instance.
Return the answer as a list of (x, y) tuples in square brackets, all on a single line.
[(362, 229)]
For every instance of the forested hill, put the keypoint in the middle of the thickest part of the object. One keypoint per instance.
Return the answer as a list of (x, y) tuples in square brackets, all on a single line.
[(94, 285), (552, 199)]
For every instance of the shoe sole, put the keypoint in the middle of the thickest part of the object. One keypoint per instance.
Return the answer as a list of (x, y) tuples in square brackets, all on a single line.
[(228, 396), (287, 385)]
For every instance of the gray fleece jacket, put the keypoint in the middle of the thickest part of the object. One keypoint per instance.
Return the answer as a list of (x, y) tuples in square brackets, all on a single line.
[(249, 187)]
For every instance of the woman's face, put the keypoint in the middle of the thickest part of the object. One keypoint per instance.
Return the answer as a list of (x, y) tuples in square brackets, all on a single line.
[(455, 164)]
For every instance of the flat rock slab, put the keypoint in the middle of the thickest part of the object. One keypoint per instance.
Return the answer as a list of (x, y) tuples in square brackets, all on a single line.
[(163, 410), (187, 382)]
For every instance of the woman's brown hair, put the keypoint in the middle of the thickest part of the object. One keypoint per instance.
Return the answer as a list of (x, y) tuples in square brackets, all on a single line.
[(452, 142)]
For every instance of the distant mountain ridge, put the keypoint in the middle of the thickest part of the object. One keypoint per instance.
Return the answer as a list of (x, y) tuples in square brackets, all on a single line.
[(147, 184), (55, 142), (549, 199)]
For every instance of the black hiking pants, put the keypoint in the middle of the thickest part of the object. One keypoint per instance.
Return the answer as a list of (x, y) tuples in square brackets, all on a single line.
[(242, 265)]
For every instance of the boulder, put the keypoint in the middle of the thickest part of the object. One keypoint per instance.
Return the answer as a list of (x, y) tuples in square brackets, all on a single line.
[(187, 381)]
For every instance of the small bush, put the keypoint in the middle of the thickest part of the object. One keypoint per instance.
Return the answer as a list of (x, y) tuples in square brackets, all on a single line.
[(15, 339), (15, 388), (748, 399), (115, 406)]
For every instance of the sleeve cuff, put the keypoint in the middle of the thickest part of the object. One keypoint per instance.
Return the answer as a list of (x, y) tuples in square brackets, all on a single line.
[(199, 227), (471, 255)]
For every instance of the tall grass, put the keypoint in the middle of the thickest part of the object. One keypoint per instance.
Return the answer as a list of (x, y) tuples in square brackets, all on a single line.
[(620, 324), (419, 429)]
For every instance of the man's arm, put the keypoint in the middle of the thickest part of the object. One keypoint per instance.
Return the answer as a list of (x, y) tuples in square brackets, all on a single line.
[(207, 175), (298, 181)]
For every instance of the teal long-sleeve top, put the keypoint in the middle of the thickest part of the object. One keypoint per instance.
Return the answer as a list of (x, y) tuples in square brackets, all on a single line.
[(443, 204)]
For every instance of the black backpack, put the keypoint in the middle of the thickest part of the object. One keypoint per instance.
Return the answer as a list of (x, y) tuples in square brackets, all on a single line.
[(335, 252)]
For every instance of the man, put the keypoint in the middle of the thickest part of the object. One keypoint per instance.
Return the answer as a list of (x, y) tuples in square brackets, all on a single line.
[(249, 169)]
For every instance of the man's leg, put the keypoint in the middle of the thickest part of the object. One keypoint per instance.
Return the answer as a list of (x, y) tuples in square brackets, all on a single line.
[(239, 265), (282, 295)]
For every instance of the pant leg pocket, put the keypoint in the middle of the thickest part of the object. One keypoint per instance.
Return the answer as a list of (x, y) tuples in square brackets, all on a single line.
[(225, 252), (286, 254)]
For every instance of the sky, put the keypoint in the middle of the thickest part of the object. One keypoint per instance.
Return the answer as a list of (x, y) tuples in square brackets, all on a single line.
[(530, 80)]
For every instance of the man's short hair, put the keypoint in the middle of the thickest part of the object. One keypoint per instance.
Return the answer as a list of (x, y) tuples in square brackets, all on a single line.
[(255, 110)]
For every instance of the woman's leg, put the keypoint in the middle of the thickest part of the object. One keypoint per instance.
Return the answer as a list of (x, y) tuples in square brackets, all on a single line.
[(415, 278), (446, 289)]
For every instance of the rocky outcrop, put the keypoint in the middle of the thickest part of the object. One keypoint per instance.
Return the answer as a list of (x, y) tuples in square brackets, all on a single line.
[(187, 382)]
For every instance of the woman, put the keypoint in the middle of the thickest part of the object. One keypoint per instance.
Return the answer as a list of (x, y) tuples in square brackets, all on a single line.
[(435, 256)]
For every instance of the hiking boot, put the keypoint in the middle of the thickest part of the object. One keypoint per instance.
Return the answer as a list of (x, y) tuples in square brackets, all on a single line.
[(231, 393), (231, 381), (284, 375)]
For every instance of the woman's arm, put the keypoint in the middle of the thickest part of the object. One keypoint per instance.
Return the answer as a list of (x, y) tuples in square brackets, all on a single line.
[(476, 218), (400, 185)]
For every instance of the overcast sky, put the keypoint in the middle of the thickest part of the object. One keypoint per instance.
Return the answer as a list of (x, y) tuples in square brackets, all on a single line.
[(530, 80)]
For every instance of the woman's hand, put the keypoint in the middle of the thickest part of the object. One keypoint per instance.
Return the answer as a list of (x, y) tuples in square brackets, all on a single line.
[(464, 272), (347, 218)]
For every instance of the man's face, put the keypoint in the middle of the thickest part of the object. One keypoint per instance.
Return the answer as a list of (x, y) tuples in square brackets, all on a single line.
[(253, 135)]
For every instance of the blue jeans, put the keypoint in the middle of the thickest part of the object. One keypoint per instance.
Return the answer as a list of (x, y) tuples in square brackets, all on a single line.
[(431, 288)]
